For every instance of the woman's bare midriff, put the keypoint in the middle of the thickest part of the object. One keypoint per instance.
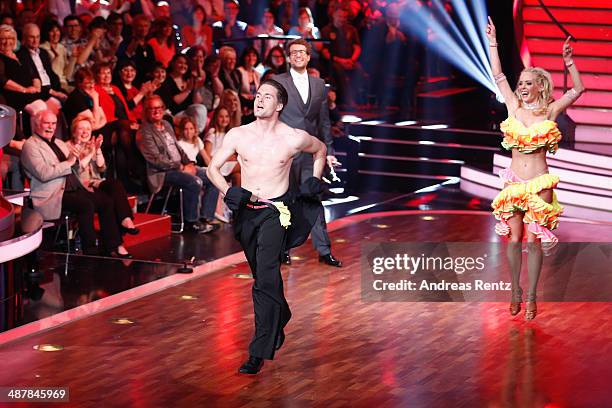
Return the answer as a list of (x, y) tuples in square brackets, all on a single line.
[(529, 165)]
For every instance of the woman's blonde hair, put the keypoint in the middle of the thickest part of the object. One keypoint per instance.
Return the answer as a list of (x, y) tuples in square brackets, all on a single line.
[(75, 122), (236, 117), (544, 81)]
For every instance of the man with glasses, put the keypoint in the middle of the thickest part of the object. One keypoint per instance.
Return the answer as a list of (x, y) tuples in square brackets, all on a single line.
[(168, 164), (73, 41), (307, 109)]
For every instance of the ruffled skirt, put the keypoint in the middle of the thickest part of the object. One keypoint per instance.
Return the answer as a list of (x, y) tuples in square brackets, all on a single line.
[(522, 195)]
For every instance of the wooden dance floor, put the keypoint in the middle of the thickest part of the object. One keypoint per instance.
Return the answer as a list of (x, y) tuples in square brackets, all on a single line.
[(339, 350)]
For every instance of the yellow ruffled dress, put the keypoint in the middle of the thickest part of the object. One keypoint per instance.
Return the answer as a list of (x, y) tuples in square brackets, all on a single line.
[(522, 195)]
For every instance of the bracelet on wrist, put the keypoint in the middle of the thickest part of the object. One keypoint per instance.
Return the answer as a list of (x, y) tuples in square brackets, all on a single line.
[(569, 64), (492, 44)]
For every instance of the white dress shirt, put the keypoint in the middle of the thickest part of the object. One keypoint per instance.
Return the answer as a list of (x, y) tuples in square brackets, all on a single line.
[(44, 77), (301, 83)]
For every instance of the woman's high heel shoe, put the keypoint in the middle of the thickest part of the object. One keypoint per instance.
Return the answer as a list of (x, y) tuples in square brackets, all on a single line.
[(531, 309), (515, 302)]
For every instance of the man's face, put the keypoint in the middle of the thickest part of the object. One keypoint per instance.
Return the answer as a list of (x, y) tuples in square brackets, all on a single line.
[(73, 29), (231, 11), (298, 57), (229, 61), (141, 28), (31, 37), (340, 17), (155, 110), (46, 126), (266, 101)]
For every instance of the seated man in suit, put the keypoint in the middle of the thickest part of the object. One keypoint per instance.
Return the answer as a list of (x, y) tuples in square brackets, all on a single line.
[(168, 164), (38, 64)]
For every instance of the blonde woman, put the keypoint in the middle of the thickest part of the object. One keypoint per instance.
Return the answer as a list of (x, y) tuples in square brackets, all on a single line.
[(109, 192), (231, 102), (527, 199)]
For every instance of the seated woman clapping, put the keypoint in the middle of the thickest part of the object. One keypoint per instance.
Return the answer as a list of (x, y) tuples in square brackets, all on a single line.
[(90, 170)]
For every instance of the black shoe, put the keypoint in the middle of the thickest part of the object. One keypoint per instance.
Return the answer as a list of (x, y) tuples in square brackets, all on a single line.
[(280, 340), (131, 231), (330, 260), (251, 366), (286, 258), (115, 254)]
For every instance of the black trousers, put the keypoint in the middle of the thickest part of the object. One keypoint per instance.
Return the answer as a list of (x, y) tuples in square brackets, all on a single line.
[(84, 204), (301, 170), (116, 192), (263, 238)]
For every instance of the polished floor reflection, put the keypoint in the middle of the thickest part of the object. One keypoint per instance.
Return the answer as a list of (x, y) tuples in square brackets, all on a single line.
[(186, 341)]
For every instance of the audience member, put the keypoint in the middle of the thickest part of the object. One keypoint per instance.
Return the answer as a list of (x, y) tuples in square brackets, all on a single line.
[(249, 82), (61, 63), (167, 163), (228, 74), (137, 49), (230, 28), (343, 51), (266, 27), (50, 163), (162, 40), (199, 33), (220, 124), (193, 147), (231, 102), (276, 61), (91, 166)]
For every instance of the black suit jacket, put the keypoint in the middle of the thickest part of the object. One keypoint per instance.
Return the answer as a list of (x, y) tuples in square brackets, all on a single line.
[(26, 60), (313, 116)]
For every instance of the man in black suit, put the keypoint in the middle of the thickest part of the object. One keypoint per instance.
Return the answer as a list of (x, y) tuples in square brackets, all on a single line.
[(38, 63), (307, 109)]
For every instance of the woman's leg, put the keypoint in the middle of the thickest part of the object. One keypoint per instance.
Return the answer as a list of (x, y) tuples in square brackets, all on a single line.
[(123, 211), (515, 258), (535, 257)]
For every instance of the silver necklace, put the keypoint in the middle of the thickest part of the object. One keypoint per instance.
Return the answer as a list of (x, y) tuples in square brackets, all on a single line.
[(531, 106)]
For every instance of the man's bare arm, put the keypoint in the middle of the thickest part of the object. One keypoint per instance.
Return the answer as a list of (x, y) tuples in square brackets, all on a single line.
[(227, 149), (311, 144)]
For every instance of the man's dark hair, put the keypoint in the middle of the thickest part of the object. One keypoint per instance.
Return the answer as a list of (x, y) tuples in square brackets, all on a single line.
[(72, 17), (299, 41), (281, 92)]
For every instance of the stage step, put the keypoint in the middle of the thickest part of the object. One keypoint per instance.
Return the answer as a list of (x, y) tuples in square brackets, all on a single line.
[(152, 226), (594, 65), (576, 204), (594, 99), (584, 32), (573, 4), (591, 116), (569, 15), (592, 82), (581, 49), (594, 134)]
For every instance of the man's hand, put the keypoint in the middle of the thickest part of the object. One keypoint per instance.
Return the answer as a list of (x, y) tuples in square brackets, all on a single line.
[(237, 197), (332, 161), (311, 187), (189, 169)]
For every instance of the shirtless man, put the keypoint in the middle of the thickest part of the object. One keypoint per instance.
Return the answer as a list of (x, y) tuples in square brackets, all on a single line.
[(265, 150)]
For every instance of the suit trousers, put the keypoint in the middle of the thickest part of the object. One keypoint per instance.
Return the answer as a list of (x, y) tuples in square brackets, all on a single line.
[(262, 238), (301, 170), (84, 204)]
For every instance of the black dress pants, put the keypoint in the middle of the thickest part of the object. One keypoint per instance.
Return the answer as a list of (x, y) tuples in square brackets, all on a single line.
[(84, 204), (116, 192), (263, 238)]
